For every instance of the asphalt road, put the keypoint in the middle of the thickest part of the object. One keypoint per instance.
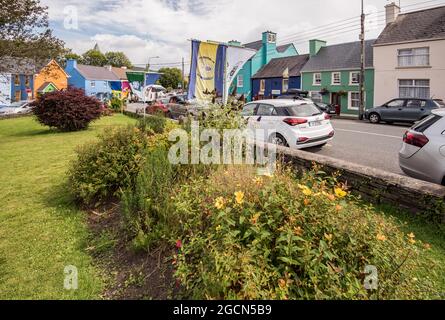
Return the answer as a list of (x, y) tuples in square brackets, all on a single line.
[(360, 142)]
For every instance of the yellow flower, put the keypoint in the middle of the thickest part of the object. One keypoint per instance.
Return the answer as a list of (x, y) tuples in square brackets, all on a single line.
[(411, 235), (328, 237), (258, 181), (306, 190), (239, 197), (381, 237), (218, 228), (338, 207), (340, 193), (255, 218), (219, 203)]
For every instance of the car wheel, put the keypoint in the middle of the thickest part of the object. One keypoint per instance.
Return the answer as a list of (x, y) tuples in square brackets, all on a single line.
[(374, 118), (279, 140)]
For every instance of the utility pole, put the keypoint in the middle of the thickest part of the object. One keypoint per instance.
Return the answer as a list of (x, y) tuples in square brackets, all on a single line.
[(362, 71), (183, 75)]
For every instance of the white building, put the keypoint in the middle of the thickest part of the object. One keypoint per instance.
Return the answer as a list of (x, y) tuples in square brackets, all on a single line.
[(409, 55)]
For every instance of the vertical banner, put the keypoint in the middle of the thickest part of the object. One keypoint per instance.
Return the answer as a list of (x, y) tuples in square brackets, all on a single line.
[(207, 71), (236, 59)]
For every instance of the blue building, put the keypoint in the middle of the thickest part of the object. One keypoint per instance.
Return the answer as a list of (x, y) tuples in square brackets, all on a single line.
[(267, 50), (278, 76), (16, 80), (151, 77), (95, 81)]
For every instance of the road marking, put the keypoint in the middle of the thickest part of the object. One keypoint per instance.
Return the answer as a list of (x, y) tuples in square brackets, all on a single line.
[(370, 133)]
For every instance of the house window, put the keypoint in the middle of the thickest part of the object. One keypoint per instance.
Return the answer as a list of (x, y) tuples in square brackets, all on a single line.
[(262, 85), (240, 81), (419, 57), (317, 79), (336, 78), (27, 81), (285, 85), (354, 100), (17, 80), (354, 78), (18, 96), (414, 89), (316, 96), (93, 84)]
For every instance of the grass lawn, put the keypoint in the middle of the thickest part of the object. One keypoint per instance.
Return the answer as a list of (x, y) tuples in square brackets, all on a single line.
[(41, 230)]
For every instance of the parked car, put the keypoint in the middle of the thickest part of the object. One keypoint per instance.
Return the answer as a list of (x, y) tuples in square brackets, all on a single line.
[(23, 107), (403, 110), (327, 108), (160, 106), (179, 108), (292, 123), (423, 152), (296, 94)]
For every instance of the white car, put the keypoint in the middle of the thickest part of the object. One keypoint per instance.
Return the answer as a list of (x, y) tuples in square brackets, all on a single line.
[(296, 124), (23, 107), (423, 152)]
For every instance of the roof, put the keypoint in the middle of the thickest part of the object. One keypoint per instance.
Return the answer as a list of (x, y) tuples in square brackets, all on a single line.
[(256, 45), (44, 85), (425, 24), (276, 67), (340, 57), (96, 73), (121, 73)]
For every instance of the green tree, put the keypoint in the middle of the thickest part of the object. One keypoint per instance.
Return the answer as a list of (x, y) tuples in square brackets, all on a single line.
[(69, 55), (170, 77), (118, 59), (94, 58), (25, 33)]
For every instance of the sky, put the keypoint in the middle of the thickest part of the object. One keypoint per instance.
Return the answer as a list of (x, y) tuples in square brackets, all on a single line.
[(161, 28)]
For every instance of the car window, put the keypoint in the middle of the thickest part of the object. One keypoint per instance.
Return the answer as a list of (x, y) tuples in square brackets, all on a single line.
[(265, 110), (396, 103), (440, 103), (249, 110), (304, 110), (423, 125), (416, 104)]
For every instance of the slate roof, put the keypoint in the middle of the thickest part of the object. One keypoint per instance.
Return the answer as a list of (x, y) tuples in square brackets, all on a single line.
[(256, 45), (419, 25), (341, 57), (276, 67), (121, 73), (96, 73)]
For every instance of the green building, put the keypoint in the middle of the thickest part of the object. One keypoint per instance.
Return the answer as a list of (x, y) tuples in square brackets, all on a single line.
[(332, 74)]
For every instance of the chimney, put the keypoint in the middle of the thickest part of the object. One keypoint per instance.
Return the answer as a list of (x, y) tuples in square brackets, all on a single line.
[(71, 64), (392, 12), (315, 46), (269, 41), (109, 67), (234, 43)]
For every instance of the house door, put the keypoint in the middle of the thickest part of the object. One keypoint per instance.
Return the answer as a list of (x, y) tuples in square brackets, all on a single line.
[(335, 99)]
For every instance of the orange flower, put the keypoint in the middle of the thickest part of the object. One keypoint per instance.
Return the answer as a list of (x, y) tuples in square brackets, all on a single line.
[(307, 202), (338, 208), (282, 283), (328, 237), (381, 237), (239, 197), (298, 231)]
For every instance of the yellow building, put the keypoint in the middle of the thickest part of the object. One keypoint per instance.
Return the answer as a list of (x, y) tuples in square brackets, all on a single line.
[(52, 77)]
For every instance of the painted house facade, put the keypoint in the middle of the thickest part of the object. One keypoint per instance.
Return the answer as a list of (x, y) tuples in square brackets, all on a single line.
[(16, 80), (95, 81), (332, 74), (267, 50), (51, 77), (278, 76), (409, 55)]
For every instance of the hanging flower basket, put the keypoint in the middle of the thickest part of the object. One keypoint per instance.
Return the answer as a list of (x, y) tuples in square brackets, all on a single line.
[(324, 91), (342, 93)]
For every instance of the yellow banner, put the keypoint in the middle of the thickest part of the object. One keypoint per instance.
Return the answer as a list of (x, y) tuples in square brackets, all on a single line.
[(205, 82)]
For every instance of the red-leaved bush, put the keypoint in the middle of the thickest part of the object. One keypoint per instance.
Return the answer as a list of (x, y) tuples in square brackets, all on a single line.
[(68, 110)]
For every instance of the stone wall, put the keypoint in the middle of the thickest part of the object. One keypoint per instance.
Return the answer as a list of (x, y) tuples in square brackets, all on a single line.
[(374, 185)]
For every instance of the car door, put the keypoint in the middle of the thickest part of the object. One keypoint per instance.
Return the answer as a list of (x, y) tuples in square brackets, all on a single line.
[(265, 116), (414, 110), (393, 110)]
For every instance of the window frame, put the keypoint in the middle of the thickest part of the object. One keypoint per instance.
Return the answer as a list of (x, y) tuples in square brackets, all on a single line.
[(319, 94), (240, 81), (314, 76), (284, 90), (93, 84), (333, 83), (351, 83), (414, 86), (262, 85), (350, 107), (413, 55)]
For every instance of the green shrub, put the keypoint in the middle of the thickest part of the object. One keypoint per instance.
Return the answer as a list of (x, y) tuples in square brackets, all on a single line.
[(103, 168), (146, 206), (154, 123), (116, 104), (245, 237)]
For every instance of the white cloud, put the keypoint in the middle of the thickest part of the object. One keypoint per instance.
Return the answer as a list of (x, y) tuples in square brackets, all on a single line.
[(143, 28)]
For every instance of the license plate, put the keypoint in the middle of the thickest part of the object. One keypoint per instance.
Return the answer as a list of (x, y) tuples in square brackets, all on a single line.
[(314, 123)]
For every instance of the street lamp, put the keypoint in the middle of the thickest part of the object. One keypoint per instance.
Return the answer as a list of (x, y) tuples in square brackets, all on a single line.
[(149, 59)]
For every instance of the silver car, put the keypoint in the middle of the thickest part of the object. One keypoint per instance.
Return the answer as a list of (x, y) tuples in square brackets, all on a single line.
[(423, 151)]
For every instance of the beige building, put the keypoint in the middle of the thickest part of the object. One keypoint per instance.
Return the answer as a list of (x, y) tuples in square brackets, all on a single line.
[(409, 55)]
